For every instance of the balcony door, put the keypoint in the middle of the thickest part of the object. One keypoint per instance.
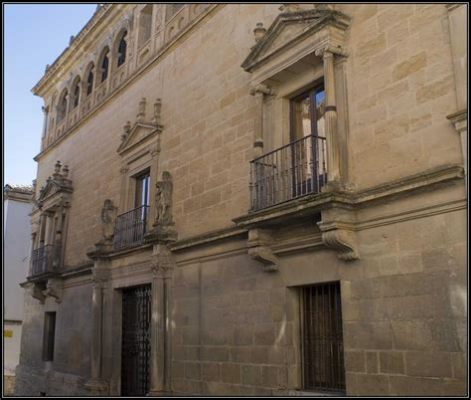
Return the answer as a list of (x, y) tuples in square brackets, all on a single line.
[(307, 137), (131, 226)]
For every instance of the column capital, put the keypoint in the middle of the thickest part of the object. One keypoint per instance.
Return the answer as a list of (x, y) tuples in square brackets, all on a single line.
[(261, 89), (329, 51)]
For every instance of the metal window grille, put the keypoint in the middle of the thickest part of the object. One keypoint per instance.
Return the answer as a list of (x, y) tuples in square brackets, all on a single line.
[(321, 338)]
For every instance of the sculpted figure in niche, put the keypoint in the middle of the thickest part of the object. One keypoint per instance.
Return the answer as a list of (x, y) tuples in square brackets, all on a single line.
[(108, 219), (163, 200)]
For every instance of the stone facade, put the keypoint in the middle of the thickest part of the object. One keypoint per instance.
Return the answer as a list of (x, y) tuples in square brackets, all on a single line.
[(204, 90)]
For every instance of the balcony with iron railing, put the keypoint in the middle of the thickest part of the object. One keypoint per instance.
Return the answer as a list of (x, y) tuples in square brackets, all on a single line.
[(131, 228), (44, 260), (289, 172)]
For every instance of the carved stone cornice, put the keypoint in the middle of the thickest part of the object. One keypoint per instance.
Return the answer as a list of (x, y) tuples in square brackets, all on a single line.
[(313, 204), (335, 211), (459, 120)]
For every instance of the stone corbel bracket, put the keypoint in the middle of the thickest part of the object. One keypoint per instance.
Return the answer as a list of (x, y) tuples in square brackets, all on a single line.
[(54, 289), (36, 292), (340, 238), (259, 249)]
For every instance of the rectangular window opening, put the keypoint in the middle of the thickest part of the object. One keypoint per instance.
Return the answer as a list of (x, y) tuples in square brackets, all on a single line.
[(49, 336)]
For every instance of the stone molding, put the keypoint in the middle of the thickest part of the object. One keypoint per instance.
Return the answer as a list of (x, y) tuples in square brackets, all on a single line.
[(338, 223), (313, 204), (459, 120), (290, 28)]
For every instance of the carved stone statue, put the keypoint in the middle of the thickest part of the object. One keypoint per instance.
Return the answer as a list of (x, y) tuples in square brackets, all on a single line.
[(108, 219), (163, 200)]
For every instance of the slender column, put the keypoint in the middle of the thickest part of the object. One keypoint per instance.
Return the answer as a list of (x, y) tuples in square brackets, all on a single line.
[(42, 229), (333, 153), (259, 91), (124, 188)]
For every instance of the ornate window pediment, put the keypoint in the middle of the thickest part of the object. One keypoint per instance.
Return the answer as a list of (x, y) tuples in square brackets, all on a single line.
[(142, 132), (294, 35), (57, 190)]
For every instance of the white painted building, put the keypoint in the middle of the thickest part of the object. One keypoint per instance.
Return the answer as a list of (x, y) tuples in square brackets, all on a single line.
[(17, 249)]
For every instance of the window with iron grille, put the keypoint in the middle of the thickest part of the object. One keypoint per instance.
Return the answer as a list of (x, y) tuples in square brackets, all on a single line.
[(321, 338), (49, 336)]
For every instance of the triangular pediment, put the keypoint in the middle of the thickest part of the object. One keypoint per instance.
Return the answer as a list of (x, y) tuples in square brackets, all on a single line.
[(288, 29), (138, 134), (56, 185), (50, 189)]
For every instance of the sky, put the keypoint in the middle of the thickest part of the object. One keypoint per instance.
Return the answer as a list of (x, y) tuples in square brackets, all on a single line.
[(34, 35)]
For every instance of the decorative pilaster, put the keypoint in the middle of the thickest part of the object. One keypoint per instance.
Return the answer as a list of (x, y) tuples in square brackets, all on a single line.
[(162, 268), (97, 385)]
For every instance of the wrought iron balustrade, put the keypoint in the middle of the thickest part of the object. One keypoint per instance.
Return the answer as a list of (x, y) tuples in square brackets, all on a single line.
[(292, 171), (131, 227), (43, 259)]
